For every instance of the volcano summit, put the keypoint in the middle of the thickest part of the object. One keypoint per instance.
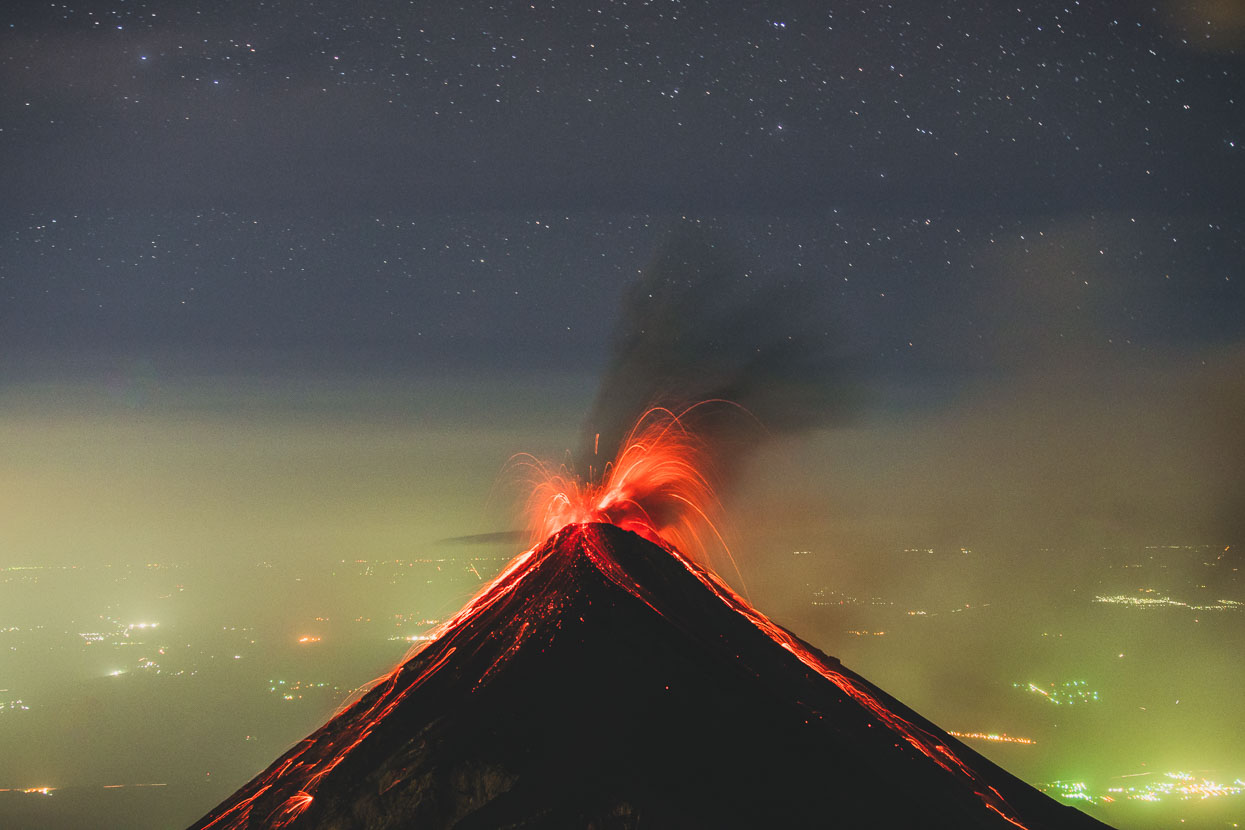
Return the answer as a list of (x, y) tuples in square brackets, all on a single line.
[(605, 681)]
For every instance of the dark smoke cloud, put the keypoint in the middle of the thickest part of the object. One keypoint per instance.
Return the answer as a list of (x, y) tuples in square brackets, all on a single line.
[(701, 323)]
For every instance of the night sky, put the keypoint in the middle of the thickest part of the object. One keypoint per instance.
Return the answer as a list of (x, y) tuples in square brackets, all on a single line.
[(296, 279), (421, 182)]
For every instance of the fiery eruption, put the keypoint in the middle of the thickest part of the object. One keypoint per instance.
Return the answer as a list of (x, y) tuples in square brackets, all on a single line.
[(660, 486)]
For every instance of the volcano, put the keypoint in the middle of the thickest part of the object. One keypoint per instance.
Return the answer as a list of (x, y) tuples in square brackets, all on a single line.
[(605, 681)]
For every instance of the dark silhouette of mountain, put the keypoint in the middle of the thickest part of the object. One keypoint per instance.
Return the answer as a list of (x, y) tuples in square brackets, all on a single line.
[(605, 682)]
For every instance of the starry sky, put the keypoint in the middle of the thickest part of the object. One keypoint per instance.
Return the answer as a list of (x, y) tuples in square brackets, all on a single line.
[(979, 223)]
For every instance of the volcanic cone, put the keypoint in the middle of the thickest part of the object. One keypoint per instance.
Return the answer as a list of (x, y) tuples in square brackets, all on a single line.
[(604, 681)]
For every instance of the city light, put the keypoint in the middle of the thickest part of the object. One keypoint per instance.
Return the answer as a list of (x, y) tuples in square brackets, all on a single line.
[(295, 689), (1067, 693), (1169, 786), (1166, 602), (13, 705), (992, 736)]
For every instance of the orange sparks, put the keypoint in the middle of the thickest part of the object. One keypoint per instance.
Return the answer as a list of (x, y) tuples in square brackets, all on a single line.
[(658, 486), (291, 809)]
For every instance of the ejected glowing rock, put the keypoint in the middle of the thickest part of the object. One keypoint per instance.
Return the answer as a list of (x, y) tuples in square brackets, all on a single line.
[(606, 681)]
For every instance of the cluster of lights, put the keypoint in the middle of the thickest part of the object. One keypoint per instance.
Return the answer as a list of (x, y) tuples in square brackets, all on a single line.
[(858, 632), (1071, 790), (825, 598), (50, 790), (1167, 602), (1182, 785), (1069, 692), (294, 690), (1173, 785), (992, 736), (308, 639), (122, 631), (414, 638), (413, 619)]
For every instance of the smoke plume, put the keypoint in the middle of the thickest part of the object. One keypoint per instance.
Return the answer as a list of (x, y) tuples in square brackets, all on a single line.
[(702, 324)]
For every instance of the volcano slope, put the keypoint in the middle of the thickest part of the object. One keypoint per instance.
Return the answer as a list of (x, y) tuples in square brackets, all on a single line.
[(603, 681)]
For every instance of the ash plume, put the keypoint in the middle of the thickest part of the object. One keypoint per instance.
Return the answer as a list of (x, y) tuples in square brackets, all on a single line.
[(701, 323)]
